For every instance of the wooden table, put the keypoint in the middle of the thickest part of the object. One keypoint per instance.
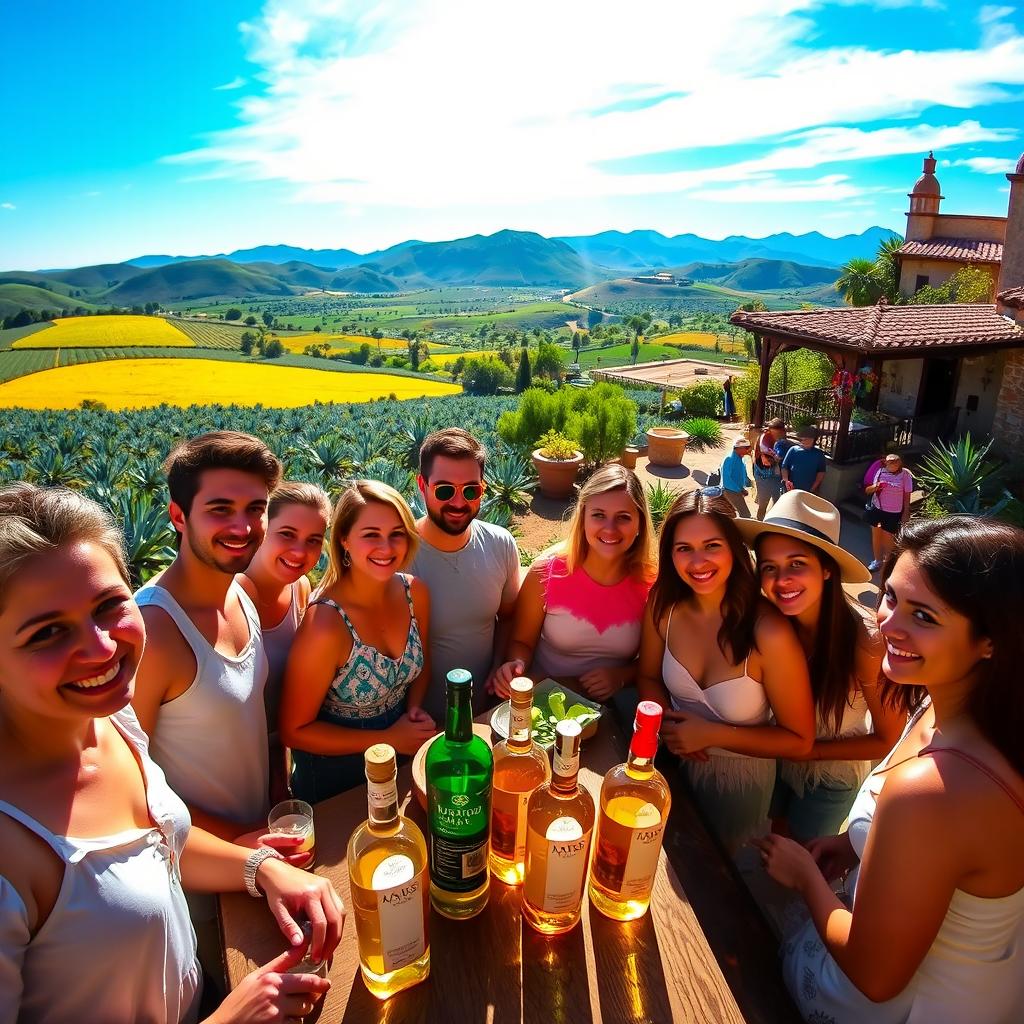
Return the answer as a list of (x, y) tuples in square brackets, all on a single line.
[(494, 969)]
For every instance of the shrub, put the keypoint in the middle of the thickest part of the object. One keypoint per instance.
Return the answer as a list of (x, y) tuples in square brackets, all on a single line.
[(485, 376), (704, 433), (274, 349), (703, 399), (556, 446), (660, 498)]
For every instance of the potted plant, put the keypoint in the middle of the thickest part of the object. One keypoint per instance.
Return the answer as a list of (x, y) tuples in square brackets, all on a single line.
[(557, 461), (629, 456), (665, 445)]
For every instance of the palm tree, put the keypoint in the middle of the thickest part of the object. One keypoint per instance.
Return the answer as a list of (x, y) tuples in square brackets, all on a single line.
[(887, 268), (858, 283)]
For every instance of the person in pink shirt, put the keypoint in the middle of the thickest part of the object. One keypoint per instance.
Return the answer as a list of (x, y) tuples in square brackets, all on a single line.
[(890, 489)]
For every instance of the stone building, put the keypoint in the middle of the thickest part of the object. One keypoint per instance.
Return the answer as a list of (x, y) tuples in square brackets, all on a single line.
[(936, 370)]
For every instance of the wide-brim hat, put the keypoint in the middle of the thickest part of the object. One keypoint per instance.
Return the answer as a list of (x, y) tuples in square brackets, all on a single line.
[(813, 520)]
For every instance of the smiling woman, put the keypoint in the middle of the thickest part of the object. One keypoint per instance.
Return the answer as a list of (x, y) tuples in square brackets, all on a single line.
[(138, 383)]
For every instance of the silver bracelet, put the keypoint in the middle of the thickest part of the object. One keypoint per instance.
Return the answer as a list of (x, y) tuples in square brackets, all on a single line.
[(252, 865)]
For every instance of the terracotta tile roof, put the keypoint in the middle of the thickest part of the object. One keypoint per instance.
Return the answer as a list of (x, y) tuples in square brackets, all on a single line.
[(1012, 297), (890, 329), (962, 250)]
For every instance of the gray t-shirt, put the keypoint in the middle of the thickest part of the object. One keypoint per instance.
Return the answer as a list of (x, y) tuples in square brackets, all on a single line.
[(467, 587)]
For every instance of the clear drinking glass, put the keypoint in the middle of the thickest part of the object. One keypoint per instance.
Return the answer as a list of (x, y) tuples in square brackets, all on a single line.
[(293, 819)]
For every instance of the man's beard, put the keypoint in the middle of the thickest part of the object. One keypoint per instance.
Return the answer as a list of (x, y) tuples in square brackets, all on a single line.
[(231, 564), (437, 518)]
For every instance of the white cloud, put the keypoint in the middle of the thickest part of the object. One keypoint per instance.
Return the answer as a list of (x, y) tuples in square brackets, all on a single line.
[(456, 104), (983, 164), (7, 206), (236, 83)]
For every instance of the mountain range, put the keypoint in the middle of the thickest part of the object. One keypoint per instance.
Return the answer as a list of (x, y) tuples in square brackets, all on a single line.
[(504, 259)]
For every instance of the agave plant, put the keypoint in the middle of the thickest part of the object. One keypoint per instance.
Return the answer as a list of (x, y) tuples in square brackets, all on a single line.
[(958, 475), (147, 475), (660, 498), (413, 435), (387, 472), (704, 432), (510, 477), (102, 476), (148, 535), (51, 468), (330, 457), (369, 446)]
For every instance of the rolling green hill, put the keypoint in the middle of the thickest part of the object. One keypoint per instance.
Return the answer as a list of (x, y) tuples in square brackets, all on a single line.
[(15, 297), (760, 275), (178, 281)]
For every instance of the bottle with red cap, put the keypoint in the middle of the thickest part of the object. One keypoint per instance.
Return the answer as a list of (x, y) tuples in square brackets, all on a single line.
[(635, 802)]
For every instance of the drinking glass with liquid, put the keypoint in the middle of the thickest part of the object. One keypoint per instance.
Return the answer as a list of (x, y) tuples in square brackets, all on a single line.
[(291, 822)]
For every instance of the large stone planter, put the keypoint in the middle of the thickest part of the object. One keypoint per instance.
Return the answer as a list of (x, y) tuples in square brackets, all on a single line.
[(665, 446), (556, 477), (628, 457)]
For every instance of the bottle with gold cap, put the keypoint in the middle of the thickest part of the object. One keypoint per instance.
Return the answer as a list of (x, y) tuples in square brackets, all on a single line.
[(635, 803), (387, 867), (559, 824), (520, 766)]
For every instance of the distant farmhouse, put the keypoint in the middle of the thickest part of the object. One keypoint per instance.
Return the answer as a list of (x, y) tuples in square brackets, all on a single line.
[(907, 374), (662, 278)]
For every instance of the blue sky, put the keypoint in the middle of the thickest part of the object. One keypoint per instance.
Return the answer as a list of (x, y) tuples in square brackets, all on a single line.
[(201, 127)]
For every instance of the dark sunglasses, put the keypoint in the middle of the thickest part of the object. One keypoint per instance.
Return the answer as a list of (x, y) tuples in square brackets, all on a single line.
[(445, 492), (713, 491)]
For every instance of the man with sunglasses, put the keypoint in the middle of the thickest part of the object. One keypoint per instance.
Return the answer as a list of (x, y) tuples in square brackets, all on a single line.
[(470, 567)]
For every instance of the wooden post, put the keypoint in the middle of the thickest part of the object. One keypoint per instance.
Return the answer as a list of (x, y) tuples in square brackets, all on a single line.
[(769, 349), (848, 362)]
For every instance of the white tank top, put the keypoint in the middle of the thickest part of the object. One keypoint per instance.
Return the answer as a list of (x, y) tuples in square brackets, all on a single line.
[(211, 741), (118, 946)]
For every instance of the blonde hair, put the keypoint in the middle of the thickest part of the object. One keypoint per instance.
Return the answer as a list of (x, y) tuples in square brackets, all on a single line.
[(299, 492), (353, 500), (34, 520), (641, 561)]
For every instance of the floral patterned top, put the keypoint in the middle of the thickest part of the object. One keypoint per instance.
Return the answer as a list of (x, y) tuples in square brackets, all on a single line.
[(370, 684)]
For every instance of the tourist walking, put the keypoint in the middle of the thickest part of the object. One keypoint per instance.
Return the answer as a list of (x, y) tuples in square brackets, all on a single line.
[(473, 564), (803, 466), (891, 487), (277, 582), (734, 477), (725, 664), (767, 464), (935, 843), (95, 846), (802, 568), (729, 405), (358, 669), (580, 609)]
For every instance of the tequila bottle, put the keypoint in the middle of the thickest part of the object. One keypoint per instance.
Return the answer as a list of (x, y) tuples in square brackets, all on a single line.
[(520, 766), (458, 770), (387, 865), (559, 823), (635, 802)]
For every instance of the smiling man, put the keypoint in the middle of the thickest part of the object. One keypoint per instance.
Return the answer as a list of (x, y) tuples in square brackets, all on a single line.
[(199, 692), (470, 567)]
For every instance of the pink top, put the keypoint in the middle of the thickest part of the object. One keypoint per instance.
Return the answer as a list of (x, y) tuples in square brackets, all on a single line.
[(587, 624), (894, 486)]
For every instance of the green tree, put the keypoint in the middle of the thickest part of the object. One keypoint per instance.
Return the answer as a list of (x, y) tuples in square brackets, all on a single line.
[(250, 320), (887, 268), (484, 376), (968, 284), (274, 349), (548, 361), (523, 375), (248, 342), (859, 283), (268, 319), (233, 314)]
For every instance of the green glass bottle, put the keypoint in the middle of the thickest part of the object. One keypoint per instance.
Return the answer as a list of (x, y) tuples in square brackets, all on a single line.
[(459, 767)]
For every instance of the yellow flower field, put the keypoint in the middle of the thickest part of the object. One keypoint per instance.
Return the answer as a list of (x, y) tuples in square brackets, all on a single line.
[(340, 342), (138, 383), (688, 339), (446, 358), (107, 332)]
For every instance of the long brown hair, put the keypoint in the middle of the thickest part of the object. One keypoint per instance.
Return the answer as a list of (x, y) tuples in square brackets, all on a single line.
[(976, 566), (640, 559), (742, 591)]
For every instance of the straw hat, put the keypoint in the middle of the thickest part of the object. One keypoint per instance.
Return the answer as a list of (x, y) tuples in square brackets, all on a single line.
[(814, 521)]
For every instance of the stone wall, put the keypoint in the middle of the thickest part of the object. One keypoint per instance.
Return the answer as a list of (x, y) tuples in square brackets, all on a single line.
[(1008, 425)]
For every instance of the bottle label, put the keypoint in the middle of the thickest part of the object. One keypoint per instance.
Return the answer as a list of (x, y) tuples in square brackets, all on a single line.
[(458, 865), (626, 859), (558, 887), (400, 896), (519, 720), (566, 767), (382, 797)]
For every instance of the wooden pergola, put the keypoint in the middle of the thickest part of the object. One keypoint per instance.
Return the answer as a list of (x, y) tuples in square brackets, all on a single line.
[(854, 337)]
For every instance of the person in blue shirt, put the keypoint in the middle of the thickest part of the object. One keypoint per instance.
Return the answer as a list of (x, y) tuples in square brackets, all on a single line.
[(734, 477), (803, 467)]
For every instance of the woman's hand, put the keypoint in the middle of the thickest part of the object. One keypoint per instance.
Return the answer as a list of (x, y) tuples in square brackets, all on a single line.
[(834, 855), (294, 895), (604, 682), (503, 676), (785, 860), (685, 734), (271, 994), (407, 735)]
